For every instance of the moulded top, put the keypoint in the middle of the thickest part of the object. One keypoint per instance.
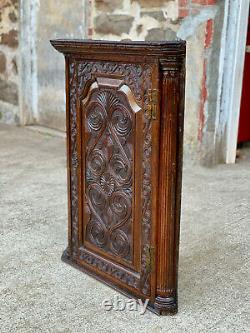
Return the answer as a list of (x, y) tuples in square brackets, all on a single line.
[(83, 46)]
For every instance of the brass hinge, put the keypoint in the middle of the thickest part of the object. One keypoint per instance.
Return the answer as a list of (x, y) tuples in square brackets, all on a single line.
[(153, 103), (150, 259)]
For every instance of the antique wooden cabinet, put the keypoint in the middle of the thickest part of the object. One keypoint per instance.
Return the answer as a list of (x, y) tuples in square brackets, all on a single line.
[(125, 105)]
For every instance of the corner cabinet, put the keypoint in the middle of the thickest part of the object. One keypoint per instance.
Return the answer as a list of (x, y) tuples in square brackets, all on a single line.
[(125, 105)]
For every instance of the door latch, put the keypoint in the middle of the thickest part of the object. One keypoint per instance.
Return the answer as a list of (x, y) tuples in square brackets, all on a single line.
[(153, 103), (150, 259)]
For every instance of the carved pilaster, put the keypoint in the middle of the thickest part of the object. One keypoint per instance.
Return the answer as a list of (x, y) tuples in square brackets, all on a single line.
[(169, 189)]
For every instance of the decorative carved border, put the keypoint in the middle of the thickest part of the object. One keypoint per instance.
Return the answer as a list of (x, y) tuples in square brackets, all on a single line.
[(146, 185), (73, 158), (109, 268), (139, 78)]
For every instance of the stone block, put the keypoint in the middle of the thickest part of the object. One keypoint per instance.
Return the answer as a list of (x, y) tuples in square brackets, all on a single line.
[(108, 5), (10, 39), (9, 92), (158, 34), (2, 62), (113, 24), (14, 66), (157, 14), (13, 16), (15, 3), (152, 3)]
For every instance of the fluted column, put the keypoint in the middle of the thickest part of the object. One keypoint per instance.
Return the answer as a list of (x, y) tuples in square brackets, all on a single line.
[(172, 108)]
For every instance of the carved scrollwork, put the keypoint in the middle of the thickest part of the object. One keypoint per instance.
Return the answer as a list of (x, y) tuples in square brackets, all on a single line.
[(120, 205), (97, 232), (121, 121), (95, 118), (108, 170), (120, 243), (109, 165), (96, 162), (96, 197), (120, 167)]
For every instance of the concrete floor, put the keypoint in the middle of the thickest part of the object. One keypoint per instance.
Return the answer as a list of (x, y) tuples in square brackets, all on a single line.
[(39, 293)]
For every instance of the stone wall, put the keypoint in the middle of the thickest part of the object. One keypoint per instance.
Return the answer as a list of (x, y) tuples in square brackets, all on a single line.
[(9, 10), (32, 81), (55, 19), (36, 94), (199, 22)]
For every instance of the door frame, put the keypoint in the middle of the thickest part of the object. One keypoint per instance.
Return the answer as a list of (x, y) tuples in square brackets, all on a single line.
[(232, 67), (27, 66), (28, 83)]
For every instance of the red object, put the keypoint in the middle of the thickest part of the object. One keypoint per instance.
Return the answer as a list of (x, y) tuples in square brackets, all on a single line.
[(244, 123), (209, 33), (204, 2)]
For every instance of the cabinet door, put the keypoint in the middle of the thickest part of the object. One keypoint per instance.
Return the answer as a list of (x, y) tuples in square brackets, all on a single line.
[(113, 228)]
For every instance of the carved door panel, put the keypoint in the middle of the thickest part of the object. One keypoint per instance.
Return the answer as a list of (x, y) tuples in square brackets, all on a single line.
[(115, 150), (110, 115)]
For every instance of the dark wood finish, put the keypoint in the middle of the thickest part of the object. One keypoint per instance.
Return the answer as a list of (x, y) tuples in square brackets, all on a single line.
[(125, 106)]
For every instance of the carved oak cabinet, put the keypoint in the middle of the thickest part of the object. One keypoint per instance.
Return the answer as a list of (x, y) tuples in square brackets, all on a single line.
[(125, 105)]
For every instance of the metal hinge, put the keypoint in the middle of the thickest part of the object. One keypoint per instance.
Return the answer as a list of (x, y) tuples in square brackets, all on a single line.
[(150, 259), (153, 103)]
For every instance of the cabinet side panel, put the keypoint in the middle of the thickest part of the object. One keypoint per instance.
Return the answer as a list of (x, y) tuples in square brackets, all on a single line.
[(68, 250), (73, 156), (67, 79)]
